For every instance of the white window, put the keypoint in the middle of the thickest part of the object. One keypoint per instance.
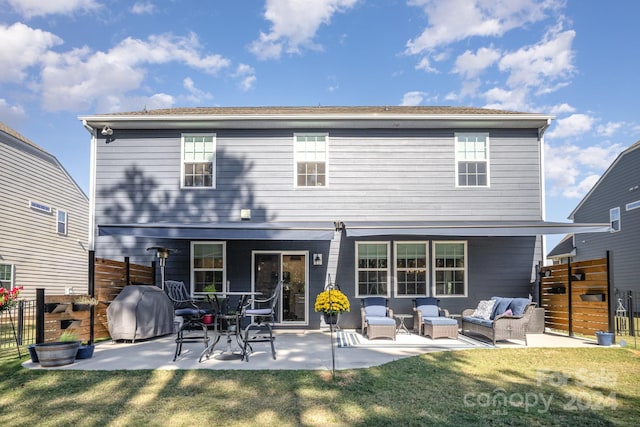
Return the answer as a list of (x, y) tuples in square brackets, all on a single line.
[(633, 205), (450, 269), (61, 225), (6, 276), (614, 219), (372, 269), (411, 268), (198, 160), (472, 159), (310, 160), (208, 262)]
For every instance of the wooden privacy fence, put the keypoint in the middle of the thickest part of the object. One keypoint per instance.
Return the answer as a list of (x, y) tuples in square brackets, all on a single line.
[(106, 280), (577, 296)]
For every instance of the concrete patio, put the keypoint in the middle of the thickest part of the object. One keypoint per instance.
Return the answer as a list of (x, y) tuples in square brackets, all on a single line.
[(296, 350)]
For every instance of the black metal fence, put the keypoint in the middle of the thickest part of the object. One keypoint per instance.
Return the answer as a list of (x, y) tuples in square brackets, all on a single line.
[(627, 313), (18, 326)]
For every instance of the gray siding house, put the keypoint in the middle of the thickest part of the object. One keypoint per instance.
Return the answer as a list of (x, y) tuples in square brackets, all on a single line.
[(397, 202), (615, 198), (44, 226)]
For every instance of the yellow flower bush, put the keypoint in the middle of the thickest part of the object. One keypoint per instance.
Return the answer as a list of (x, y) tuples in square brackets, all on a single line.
[(339, 303)]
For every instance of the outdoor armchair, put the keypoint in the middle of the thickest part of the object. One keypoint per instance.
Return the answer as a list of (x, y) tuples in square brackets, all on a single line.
[(262, 314), (377, 318), (186, 307)]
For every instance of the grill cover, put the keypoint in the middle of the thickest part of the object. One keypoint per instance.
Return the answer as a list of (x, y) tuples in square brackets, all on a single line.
[(140, 312)]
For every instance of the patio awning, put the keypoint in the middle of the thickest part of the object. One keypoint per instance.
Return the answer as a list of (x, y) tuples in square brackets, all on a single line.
[(224, 231), (468, 228)]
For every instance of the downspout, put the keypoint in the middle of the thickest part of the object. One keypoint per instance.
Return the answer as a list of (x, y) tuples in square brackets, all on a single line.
[(92, 185), (543, 193)]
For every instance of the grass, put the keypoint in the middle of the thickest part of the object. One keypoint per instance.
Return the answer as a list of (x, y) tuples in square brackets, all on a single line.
[(589, 387)]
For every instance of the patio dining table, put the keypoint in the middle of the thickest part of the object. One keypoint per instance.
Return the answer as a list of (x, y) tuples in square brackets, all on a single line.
[(229, 319)]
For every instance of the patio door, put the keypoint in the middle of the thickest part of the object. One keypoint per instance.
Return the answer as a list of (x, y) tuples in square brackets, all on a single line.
[(291, 268)]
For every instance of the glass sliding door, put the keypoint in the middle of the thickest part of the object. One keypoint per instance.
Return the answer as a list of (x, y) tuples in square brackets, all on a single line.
[(291, 268)]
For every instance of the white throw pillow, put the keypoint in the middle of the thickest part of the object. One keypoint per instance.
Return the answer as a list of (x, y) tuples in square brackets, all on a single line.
[(484, 309)]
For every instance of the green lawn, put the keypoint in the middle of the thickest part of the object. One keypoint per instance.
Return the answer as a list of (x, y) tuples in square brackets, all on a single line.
[(528, 386)]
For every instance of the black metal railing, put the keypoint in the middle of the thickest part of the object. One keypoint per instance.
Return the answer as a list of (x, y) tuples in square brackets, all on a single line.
[(18, 325), (627, 313)]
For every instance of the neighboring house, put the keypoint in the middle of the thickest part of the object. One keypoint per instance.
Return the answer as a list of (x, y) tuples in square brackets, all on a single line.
[(564, 251), (396, 202), (615, 198), (44, 229)]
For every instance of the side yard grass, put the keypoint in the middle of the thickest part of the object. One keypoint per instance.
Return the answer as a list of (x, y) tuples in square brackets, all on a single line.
[(517, 387)]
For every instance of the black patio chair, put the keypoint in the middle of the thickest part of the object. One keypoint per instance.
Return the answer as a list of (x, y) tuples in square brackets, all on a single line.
[(187, 307), (262, 313)]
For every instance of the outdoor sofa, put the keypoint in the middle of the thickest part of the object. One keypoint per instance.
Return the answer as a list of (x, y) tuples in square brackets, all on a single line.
[(499, 318)]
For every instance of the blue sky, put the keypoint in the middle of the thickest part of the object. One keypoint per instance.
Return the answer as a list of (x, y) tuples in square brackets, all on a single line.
[(575, 59)]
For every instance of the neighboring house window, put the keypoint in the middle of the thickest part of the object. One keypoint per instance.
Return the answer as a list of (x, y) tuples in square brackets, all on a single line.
[(198, 160), (411, 268), (207, 265), (472, 159), (62, 222), (450, 268), (372, 268), (614, 219), (311, 160), (633, 205), (6, 276)]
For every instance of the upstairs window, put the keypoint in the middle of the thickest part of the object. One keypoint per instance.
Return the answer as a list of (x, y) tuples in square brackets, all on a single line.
[(411, 269), (198, 160), (61, 225), (311, 160), (372, 269), (614, 219), (472, 159)]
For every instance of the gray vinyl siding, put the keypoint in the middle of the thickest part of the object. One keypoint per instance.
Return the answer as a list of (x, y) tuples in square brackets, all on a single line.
[(372, 174), (618, 187), (28, 238)]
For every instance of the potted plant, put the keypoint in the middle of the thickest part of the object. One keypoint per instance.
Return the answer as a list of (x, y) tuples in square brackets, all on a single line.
[(61, 352), (331, 303), (84, 303)]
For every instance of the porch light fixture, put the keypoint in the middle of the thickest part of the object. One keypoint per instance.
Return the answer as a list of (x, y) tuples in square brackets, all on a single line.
[(245, 214), (162, 253), (317, 259)]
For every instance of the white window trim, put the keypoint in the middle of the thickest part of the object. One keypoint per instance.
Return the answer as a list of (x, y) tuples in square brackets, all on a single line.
[(611, 213), (458, 160), (389, 268), (326, 161), (433, 269), (192, 269), (633, 205), (214, 167), (12, 282), (396, 269), (65, 222), (40, 207)]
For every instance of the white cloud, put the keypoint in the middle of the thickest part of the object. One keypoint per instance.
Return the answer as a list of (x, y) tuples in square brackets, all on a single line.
[(571, 170), (33, 8), (196, 96), (541, 64), (507, 99), (413, 98), (11, 113), (454, 20), (573, 125), (22, 47), (425, 65), (247, 77), (74, 80), (143, 8), (610, 128), (472, 64), (294, 24), (561, 109)]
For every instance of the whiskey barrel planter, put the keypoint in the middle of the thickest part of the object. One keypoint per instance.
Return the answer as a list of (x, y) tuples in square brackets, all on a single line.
[(57, 353)]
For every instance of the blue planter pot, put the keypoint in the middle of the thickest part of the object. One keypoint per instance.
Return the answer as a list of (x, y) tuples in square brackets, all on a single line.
[(85, 351), (604, 338), (33, 353)]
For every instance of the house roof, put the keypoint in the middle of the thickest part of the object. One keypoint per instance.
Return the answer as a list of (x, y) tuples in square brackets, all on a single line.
[(565, 248), (633, 147), (6, 129), (334, 117)]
